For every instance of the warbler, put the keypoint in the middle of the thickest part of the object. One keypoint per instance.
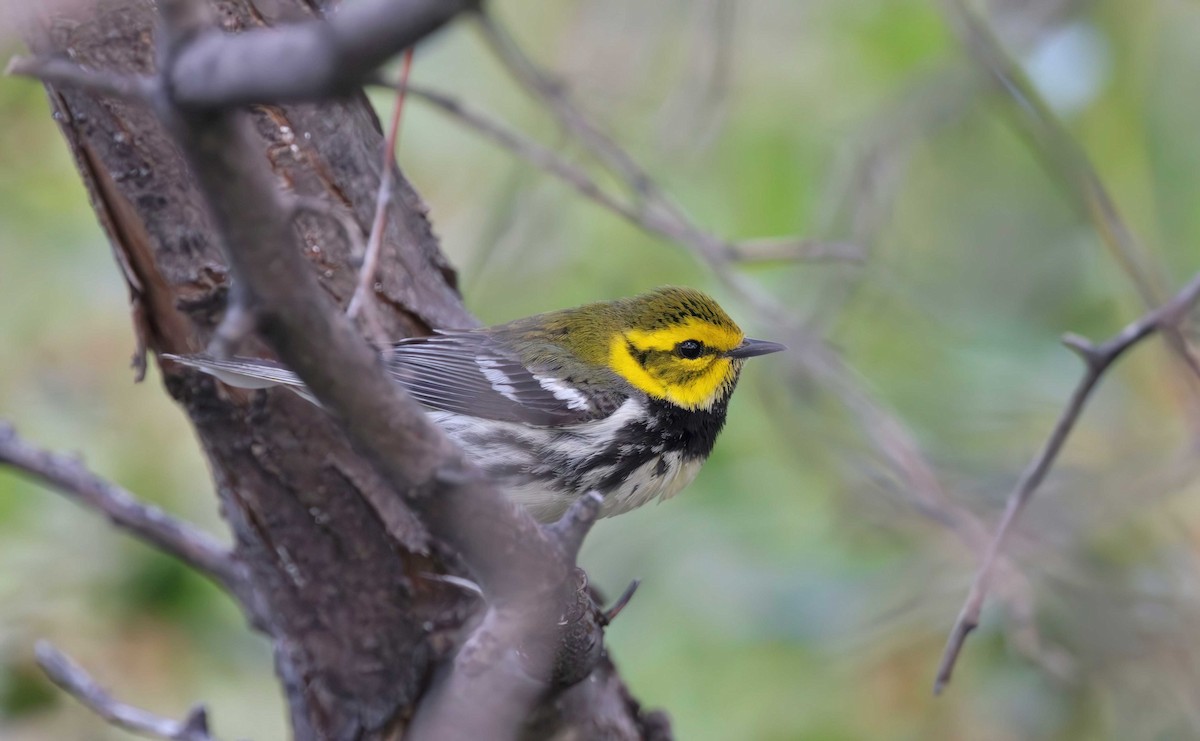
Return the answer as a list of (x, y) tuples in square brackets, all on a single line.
[(623, 397)]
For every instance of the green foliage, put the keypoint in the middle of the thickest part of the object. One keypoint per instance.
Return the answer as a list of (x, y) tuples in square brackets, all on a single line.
[(25, 691)]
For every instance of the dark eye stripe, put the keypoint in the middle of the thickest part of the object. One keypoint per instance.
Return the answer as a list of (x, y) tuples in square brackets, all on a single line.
[(639, 355)]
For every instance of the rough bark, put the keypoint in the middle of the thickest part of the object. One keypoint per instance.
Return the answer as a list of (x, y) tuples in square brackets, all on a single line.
[(357, 630)]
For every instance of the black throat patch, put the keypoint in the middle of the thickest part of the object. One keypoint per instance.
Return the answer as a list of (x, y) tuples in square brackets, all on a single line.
[(691, 432), (665, 429)]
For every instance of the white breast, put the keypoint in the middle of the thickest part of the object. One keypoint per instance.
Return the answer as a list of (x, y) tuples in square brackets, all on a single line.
[(528, 462)]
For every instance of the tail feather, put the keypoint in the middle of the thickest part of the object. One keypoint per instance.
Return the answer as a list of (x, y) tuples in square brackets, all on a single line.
[(246, 373)]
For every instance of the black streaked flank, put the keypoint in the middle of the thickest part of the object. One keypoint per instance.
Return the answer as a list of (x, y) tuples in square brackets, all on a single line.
[(666, 429)]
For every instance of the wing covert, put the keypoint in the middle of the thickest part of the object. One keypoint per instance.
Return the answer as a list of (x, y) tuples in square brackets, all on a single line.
[(470, 373)]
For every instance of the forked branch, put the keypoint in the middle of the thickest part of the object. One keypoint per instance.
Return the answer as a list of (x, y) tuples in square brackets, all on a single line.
[(1097, 360)]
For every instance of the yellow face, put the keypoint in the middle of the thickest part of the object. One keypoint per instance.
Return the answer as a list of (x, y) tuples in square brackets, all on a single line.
[(684, 363)]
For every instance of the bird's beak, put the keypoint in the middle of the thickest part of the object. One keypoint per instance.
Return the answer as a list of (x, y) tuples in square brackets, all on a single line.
[(749, 348)]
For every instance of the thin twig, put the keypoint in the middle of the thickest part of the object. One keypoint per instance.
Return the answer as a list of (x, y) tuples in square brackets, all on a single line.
[(536, 154), (547, 160), (73, 679), (1097, 359), (147, 522), (370, 266), (656, 211), (60, 71), (617, 607), (553, 94)]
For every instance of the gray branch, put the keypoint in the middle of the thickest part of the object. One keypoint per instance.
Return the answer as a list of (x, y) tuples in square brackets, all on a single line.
[(144, 521), (60, 71), (1097, 360), (304, 61), (73, 679)]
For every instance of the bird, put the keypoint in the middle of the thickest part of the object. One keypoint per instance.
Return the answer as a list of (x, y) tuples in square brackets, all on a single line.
[(623, 397)]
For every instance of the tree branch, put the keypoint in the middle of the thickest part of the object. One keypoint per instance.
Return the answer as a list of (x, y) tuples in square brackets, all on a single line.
[(73, 679), (145, 522), (520, 569), (1097, 359), (305, 61), (370, 257), (271, 288), (507, 664), (550, 162), (60, 71)]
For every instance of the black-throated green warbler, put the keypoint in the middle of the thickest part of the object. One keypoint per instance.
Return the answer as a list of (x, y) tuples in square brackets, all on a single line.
[(623, 397)]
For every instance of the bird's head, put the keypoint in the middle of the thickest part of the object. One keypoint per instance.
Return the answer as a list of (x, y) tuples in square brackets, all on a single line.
[(675, 344)]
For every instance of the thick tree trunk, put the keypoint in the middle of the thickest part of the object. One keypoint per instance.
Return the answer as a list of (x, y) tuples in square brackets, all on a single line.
[(335, 559)]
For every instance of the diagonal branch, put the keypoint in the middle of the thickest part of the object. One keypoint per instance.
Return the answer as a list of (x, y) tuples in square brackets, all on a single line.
[(652, 208), (304, 61), (656, 222), (553, 94), (60, 71), (370, 256), (75, 681), (1097, 360), (144, 521)]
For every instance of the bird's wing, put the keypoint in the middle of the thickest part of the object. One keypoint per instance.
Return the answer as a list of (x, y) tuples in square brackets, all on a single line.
[(245, 373), (462, 372), (470, 373)]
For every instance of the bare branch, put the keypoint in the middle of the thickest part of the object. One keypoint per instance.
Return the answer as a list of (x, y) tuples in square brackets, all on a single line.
[(1097, 359), (145, 522), (553, 94), (530, 151), (342, 371), (654, 221), (366, 274), (304, 61), (73, 679), (60, 71), (617, 607)]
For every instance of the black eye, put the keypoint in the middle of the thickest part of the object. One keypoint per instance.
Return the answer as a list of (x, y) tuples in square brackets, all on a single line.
[(689, 349)]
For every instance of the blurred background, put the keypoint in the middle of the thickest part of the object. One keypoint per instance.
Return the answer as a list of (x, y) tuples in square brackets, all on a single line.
[(803, 587)]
